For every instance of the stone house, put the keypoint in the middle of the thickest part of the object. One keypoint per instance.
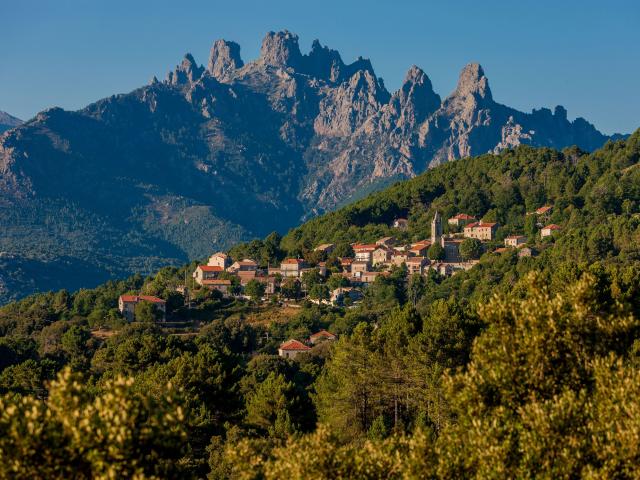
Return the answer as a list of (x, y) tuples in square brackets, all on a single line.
[(291, 349), (398, 258), (549, 230), (363, 251), (292, 267), (381, 255), (219, 259), (127, 305), (515, 241), (416, 264), (359, 267), (203, 273), (420, 249), (246, 265), (366, 278), (481, 231)]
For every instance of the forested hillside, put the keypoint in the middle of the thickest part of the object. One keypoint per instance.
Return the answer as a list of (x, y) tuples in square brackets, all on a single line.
[(521, 367)]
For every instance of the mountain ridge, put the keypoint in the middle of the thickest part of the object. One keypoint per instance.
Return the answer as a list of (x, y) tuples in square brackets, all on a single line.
[(217, 154), (8, 121)]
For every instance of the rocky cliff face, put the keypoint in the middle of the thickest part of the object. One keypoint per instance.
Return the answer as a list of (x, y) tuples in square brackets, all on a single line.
[(213, 155)]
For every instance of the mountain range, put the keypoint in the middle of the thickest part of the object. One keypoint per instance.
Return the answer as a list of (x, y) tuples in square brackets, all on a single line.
[(217, 154)]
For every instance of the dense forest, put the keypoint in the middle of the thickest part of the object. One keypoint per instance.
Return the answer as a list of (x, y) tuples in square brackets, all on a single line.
[(521, 367)]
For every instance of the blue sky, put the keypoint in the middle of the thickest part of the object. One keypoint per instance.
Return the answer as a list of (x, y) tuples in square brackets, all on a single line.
[(580, 54)]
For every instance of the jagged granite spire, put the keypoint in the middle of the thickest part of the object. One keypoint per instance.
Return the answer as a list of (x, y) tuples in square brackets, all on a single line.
[(281, 49), (473, 82), (415, 100), (323, 62), (224, 58), (186, 73)]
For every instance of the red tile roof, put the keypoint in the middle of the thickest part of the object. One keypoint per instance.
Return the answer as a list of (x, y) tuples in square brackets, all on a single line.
[(463, 216), (480, 225), (138, 298), (322, 334), (553, 226), (293, 261), (208, 268), (365, 247), (543, 210), (294, 345), (415, 259), (421, 243)]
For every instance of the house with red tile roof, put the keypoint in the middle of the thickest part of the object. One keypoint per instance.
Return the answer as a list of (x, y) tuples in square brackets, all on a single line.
[(127, 305), (291, 349), (321, 336), (364, 251), (544, 210), (461, 219), (419, 249), (292, 267)]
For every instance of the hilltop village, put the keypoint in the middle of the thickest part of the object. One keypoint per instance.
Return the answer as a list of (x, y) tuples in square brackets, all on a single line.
[(342, 280)]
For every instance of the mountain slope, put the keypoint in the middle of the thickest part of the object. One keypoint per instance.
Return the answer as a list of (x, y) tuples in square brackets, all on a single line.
[(232, 151), (8, 121)]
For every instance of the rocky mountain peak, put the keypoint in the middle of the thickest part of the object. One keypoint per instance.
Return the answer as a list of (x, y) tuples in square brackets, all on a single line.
[(323, 62), (560, 112), (281, 49), (224, 58), (186, 73), (473, 82)]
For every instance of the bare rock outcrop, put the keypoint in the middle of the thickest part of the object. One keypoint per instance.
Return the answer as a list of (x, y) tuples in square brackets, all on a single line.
[(186, 73), (224, 58), (281, 49)]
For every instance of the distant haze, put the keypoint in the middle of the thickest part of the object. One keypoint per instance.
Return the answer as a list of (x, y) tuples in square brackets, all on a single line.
[(578, 54)]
